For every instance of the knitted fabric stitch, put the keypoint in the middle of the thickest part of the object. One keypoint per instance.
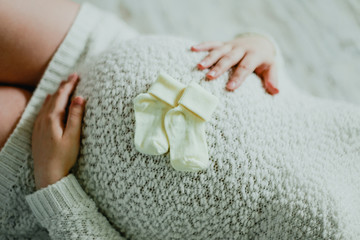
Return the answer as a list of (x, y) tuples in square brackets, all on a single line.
[(282, 167)]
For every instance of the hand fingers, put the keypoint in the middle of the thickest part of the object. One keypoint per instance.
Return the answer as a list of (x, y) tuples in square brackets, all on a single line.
[(213, 57), (246, 66), (270, 77), (206, 46), (45, 118), (45, 105), (227, 61), (61, 97), (43, 109), (73, 126)]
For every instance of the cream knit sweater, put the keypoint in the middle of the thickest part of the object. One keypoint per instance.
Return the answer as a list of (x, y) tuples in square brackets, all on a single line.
[(282, 167)]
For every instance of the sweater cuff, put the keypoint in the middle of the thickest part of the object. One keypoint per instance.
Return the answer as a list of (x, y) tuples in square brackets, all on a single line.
[(199, 101), (52, 200), (167, 89)]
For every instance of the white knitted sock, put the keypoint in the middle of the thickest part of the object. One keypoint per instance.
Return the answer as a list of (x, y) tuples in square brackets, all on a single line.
[(185, 129), (150, 109)]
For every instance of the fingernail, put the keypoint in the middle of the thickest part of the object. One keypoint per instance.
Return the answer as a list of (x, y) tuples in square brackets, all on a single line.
[(193, 48), (272, 89), (275, 91), (74, 77), (211, 74), (78, 101), (231, 85), (271, 84), (202, 65)]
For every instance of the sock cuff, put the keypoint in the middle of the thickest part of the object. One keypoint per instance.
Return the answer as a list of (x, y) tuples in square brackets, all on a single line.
[(199, 101), (167, 89)]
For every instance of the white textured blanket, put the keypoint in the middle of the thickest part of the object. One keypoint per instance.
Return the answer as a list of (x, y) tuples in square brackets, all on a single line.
[(282, 167)]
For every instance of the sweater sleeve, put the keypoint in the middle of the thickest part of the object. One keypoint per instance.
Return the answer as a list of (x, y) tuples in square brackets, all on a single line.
[(66, 211)]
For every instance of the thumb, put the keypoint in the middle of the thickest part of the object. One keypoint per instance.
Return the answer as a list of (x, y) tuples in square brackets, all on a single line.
[(73, 125)]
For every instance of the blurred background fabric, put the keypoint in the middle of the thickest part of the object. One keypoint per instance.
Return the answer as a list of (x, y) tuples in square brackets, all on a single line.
[(320, 39)]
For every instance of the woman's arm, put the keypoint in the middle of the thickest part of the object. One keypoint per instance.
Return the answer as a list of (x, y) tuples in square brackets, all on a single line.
[(31, 31), (60, 204)]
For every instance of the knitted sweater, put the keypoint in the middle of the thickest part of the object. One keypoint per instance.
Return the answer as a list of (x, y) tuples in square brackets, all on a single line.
[(282, 167)]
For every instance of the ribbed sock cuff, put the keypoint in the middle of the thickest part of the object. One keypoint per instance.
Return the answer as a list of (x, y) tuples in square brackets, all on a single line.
[(17, 149), (199, 101), (49, 201), (167, 89)]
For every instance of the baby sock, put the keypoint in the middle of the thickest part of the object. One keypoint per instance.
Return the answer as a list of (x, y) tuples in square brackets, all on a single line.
[(185, 129), (150, 109)]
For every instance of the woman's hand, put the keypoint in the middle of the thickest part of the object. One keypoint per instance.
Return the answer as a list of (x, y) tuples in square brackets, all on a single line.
[(55, 145), (253, 53)]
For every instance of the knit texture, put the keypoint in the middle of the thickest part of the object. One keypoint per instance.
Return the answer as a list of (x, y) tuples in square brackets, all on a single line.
[(66, 212), (282, 167)]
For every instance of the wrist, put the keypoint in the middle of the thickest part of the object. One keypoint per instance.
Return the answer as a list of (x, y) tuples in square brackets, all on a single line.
[(44, 178)]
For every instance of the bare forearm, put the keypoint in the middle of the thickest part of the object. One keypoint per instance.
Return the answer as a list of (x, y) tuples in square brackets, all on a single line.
[(31, 31)]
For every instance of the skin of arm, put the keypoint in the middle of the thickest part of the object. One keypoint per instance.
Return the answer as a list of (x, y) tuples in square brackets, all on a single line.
[(31, 31)]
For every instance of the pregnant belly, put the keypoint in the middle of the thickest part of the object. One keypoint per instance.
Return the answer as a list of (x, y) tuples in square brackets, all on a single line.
[(252, 162)]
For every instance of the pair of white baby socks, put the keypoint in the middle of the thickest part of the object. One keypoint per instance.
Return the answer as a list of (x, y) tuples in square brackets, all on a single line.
[(172, 115)]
